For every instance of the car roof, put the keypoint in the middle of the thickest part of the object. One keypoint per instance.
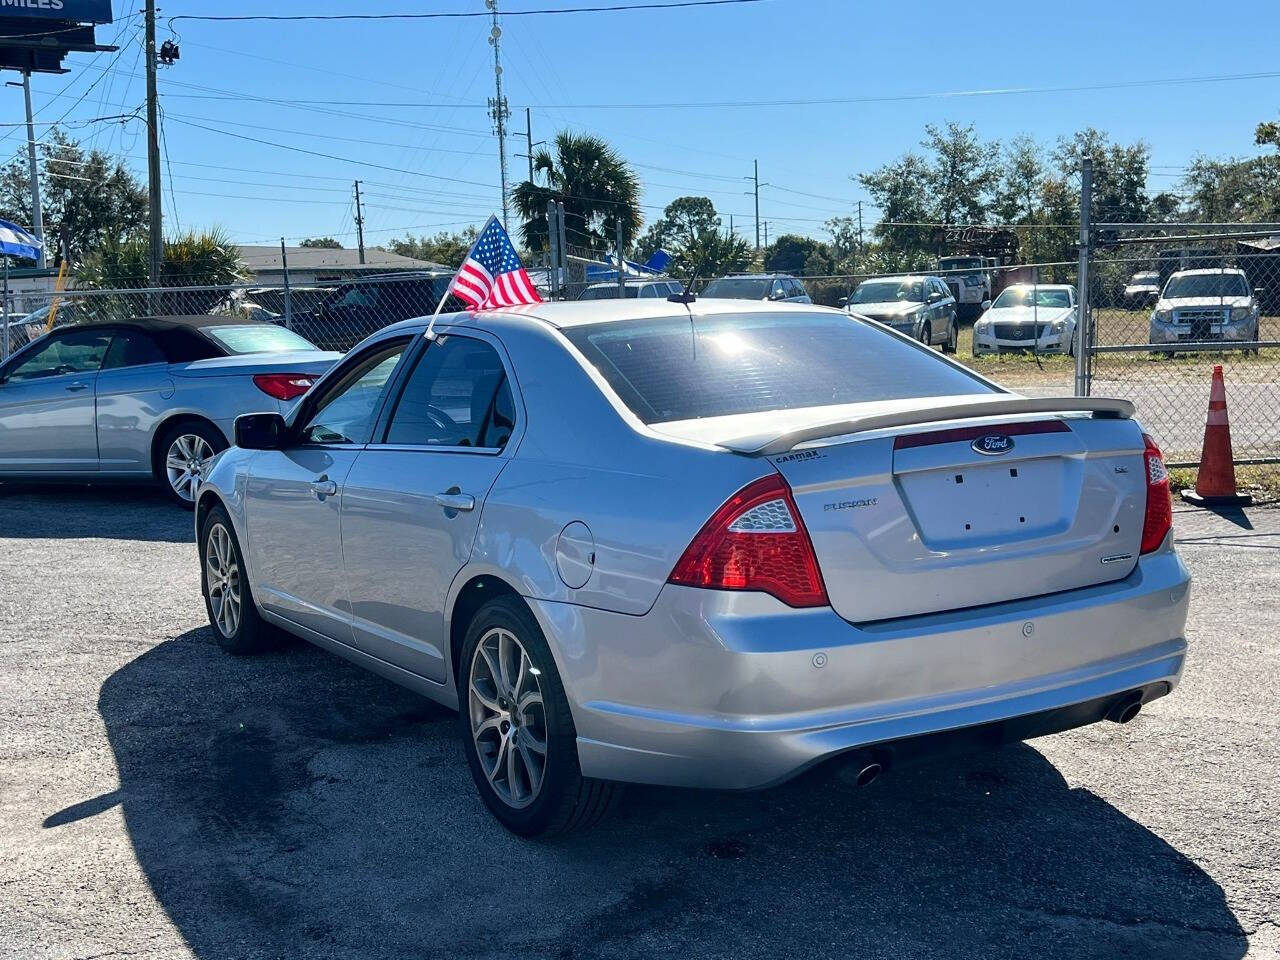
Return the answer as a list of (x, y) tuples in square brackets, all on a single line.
[(754, 276), (168, 323), (902, 276), (577, 313), (632, 281), (1041, 286)]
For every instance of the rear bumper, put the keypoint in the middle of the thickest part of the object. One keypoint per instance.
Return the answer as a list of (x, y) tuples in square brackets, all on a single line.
[(736, 690)]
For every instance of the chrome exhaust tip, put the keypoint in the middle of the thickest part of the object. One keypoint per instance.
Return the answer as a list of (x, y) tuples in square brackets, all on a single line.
[(867, 774)]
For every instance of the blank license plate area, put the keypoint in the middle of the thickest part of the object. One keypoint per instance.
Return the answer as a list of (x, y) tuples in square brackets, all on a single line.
[(983, 504)]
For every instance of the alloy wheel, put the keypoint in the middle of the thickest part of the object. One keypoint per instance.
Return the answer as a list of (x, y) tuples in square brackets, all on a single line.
[(222, 575), (185, 462), (508, 719)]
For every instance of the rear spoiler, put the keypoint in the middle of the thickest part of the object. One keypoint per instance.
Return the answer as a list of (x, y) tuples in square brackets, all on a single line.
[(767, 444)]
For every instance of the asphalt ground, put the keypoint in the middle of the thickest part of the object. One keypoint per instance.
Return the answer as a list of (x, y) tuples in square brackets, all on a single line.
[(161, 799)]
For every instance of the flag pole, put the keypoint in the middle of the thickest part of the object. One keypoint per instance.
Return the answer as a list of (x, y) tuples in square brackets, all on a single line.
[(431, 326)]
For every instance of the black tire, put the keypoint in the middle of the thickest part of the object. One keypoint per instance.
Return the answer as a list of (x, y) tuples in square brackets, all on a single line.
[(207, 433), (953, 341), (250, 633), (565, 800), (926, 334)]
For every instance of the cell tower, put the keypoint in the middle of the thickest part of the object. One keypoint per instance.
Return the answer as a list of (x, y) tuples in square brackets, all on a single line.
[(498, 108)]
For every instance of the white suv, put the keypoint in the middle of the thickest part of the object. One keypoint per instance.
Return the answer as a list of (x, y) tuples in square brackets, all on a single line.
[(1205, 305)]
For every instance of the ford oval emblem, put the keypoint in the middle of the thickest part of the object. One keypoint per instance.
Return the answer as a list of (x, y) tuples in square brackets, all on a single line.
[(992, 444)]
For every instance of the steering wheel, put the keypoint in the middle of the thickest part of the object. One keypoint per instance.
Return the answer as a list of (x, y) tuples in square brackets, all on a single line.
[(446, 424)]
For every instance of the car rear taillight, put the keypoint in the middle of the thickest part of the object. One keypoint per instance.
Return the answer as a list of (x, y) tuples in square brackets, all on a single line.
[(283, 386), (1159, 516), (755, 541)]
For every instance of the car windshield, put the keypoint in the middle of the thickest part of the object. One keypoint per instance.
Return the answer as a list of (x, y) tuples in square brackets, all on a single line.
[(256, 338), (1207, 285), (1032, 297), (1145, 278), (669, 369), (739, 288), (882, 291), (962, 263)]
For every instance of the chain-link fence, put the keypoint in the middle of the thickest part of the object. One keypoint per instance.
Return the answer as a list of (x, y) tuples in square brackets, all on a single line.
[(1168, 303), (334, 314)]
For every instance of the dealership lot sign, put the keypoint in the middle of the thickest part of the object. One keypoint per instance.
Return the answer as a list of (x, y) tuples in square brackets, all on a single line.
[(82, 11)]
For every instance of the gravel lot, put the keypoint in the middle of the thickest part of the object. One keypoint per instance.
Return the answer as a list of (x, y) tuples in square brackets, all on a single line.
[(160, 799)]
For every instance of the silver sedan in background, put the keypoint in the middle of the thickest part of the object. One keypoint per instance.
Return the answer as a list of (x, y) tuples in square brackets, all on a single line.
[(145, 398), (703, 545)]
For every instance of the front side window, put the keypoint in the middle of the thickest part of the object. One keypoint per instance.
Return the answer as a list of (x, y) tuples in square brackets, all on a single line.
[(62, 353), (669, 369), (456, 396), (346, 413)]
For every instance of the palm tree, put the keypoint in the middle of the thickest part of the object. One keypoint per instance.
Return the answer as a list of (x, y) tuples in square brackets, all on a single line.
[(596, 187)]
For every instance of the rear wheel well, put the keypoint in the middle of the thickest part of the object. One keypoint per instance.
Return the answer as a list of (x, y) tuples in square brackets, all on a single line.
[(157, 454), (478, 591)]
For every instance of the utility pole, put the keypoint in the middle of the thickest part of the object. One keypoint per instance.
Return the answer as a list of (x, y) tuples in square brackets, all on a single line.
[(156, 232), (731, 224), (859, 226), (1083, 339), (498, 105), (359, 223), (756, 177), (622, 280), (37, 215), (528, 138), (766, 233), (553, 252)]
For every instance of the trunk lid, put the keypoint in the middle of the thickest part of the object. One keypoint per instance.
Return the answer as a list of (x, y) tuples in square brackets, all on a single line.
[(314, 362), (945, 515)]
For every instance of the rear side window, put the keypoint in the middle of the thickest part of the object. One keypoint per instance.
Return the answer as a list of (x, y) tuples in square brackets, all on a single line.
[(669, 369), (456, 396), (132, 348)]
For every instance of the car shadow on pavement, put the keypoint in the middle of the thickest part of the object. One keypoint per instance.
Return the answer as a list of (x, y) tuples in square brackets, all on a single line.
[(294, 805), (69, 511)]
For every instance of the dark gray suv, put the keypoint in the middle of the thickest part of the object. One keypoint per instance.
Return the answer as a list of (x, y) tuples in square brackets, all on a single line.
[(758, 286)]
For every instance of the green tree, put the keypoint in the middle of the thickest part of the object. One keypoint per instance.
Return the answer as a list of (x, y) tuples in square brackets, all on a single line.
[(88, 197), (322, 243), (1119, 174), (191, 259), (596, 186), (900, 190), (446, 248), (710, 253), (962, 173), (1019, 194), (801, 256), (683, 218)]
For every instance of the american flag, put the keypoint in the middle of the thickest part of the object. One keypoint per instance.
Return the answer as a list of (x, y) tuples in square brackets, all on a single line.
[(492, 275)]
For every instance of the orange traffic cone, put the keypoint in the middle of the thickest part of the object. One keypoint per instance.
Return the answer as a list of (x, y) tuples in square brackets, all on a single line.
[(1216, 479)]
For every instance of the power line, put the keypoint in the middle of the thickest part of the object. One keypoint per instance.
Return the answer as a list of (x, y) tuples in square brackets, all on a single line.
[(459, 14)]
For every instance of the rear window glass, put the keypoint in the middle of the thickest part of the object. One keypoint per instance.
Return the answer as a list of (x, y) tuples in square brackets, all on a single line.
[(739, 288), (669, 369), (257, 338)]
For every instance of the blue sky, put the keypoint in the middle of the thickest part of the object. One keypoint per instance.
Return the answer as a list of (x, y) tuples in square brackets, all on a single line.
[(429, 161)]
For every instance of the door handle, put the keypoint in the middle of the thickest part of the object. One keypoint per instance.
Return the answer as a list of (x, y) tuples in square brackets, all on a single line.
[(456, 501), (74, 387), (324, 487)]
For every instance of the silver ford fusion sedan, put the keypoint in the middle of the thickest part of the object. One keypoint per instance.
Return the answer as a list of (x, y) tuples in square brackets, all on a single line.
[(704, 545), (149, 398)]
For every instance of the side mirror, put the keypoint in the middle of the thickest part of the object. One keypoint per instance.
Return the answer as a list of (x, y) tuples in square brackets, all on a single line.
[(986, 305), (260, 431), (842, 302), (1259, 291)]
